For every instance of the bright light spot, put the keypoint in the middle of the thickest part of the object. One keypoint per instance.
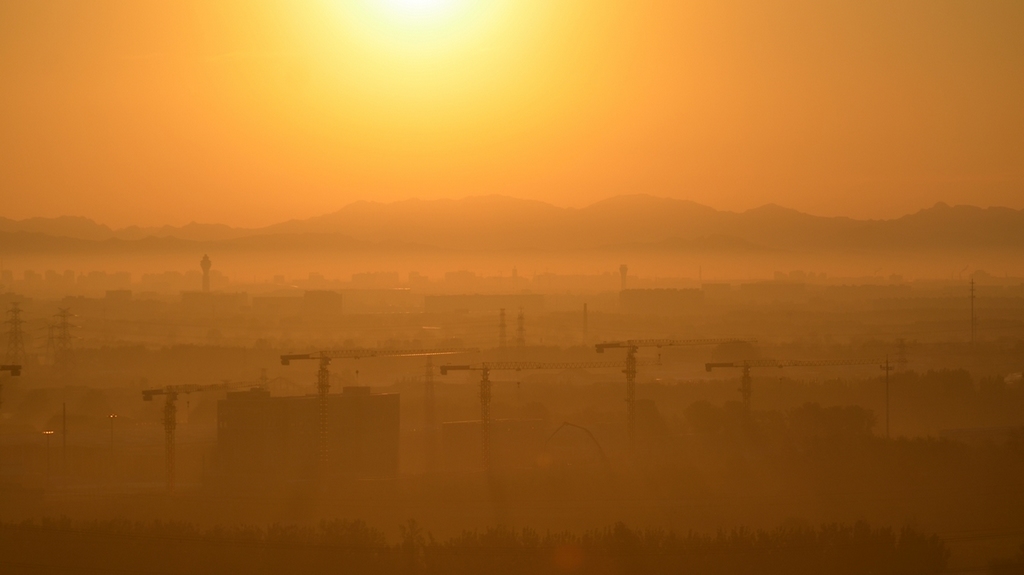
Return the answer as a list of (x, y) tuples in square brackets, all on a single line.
[(419, 8), (416, 27)]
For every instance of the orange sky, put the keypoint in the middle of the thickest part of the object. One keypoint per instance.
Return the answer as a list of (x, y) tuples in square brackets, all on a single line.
[(249, 112)]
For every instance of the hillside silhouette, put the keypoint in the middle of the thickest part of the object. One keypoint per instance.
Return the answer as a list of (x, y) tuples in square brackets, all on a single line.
[(486, 223)]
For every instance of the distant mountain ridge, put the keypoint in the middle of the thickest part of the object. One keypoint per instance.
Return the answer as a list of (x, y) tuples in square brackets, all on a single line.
[(505, 223)]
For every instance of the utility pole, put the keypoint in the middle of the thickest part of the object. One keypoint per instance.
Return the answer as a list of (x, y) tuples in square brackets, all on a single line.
[(112, 417), (501, 329), (64, 444), (585, 326), (485, 417), (972, 311), (47, 434), (888, 368), (323, 390), (15, 337), (429, 416), (521, 329)]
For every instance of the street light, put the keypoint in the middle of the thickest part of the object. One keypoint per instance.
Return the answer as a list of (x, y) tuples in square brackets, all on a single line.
[(112, 417), (48, 433)]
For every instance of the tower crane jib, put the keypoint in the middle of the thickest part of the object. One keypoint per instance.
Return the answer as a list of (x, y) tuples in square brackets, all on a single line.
[(745, 380)]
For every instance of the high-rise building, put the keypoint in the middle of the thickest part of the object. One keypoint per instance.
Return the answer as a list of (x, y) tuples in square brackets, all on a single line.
[(264, 439)]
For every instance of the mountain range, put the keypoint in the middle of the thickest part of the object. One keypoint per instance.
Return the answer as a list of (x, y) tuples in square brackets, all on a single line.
[(483, 223)]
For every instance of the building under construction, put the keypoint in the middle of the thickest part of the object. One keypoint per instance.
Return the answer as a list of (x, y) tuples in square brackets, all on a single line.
[(263, 439)]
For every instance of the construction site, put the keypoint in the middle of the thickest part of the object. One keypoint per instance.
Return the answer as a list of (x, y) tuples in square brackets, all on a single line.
[(515, 287), (758, 403)]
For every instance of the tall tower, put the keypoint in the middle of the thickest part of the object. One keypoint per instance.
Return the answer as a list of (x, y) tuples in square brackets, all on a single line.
[(521, 329), (15, 337), (205, 263), (429, 416), (585, 324), (62, 338), (622, 273), (501, 329), (972, 311)]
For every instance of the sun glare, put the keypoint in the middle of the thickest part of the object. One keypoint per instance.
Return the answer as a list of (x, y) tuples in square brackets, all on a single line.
[(420, 26), (419, 8)]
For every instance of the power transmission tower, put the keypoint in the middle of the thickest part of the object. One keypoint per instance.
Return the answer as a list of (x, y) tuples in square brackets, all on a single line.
[(62, 338), (501, 329), (521, 329), (15, 337)]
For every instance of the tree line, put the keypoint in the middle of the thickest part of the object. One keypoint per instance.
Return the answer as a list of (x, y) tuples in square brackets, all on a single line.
[(339, 546)]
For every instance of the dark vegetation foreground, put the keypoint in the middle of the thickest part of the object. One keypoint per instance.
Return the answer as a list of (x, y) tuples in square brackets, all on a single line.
[(64, 546)]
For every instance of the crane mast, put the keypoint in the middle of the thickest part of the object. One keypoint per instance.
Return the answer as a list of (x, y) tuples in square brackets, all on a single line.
[(632, 346)]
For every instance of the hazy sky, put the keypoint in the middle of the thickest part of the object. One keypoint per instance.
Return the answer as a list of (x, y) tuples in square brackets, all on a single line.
[(248, 112)]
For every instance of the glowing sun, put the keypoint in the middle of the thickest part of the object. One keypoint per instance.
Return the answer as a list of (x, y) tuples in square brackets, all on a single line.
[(420, 9)]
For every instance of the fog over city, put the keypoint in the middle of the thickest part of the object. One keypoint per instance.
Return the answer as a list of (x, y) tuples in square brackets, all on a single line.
[(482, 286)]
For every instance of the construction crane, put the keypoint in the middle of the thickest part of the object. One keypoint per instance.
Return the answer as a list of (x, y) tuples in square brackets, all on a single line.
[(323, 379), (485, 370), (632, 346), (745, 381), (170, 415)]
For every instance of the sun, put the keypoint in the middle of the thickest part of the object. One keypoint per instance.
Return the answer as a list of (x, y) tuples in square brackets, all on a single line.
[(416, 27), (420, 9)]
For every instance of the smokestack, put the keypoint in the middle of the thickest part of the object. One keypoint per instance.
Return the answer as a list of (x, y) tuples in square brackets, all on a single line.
[(622, 272)]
